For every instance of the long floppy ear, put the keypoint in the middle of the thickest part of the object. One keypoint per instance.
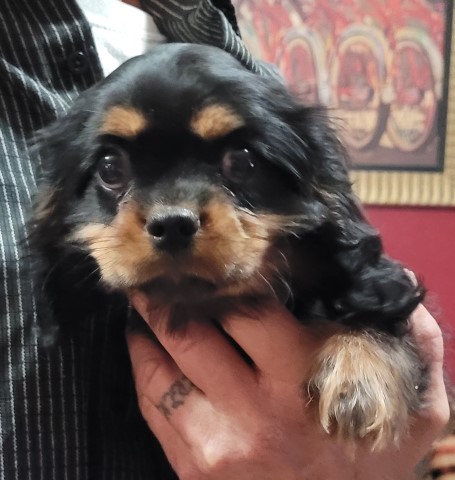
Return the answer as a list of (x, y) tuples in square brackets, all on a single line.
[(370, 289), (378, 291), (57, 150)]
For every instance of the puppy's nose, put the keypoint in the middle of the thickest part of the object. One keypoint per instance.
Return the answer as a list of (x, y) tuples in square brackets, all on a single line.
[(173, 229)]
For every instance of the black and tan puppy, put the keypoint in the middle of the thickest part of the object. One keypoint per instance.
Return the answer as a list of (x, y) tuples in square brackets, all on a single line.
[(207, 186)]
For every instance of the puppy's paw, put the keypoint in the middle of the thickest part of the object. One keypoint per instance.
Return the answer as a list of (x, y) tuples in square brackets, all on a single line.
[(367, 386)]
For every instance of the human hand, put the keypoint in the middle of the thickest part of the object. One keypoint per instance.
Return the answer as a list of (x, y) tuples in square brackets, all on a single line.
[(219, 418)]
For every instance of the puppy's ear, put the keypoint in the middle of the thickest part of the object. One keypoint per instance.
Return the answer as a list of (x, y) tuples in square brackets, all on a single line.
[(370, 288), (377, 290), (57, 149)]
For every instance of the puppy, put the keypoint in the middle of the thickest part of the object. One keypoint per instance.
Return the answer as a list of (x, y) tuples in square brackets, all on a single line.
[(206, 186)]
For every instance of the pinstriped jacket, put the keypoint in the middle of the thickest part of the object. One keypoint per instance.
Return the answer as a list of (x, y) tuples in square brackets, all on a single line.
[(68, 413)]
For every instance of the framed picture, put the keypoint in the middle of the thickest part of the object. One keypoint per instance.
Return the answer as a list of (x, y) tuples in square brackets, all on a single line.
[(383, 69)]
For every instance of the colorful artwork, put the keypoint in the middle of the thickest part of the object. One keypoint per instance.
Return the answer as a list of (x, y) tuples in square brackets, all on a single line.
[(379, 64)]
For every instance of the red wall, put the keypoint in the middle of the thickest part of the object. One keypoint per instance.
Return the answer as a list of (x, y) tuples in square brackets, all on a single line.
[(423, 239)]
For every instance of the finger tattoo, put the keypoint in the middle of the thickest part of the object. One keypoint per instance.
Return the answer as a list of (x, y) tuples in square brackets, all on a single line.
[(175, 396)]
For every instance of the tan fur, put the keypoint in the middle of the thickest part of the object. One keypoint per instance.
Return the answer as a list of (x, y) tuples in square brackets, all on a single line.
[(45, 204), (215, 121), (364, 386), (123, 121), (230, 249)]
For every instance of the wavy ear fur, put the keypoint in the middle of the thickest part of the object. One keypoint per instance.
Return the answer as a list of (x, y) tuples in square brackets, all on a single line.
[(379, 292), (366, 288)]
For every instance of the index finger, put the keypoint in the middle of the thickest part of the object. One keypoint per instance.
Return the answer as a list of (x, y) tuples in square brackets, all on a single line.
[(202, 353), (428, 337), (432, 418)]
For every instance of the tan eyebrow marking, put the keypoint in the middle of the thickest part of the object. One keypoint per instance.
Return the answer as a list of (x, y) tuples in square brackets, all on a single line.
[(215, 121), (123, 121)]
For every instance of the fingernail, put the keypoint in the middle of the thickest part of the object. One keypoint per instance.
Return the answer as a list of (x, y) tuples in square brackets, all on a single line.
[(411, 276), (150, 310), (139, 300)]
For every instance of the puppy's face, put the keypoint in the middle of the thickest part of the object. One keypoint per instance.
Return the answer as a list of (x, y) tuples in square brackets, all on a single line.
[(182, 203), (186, 174)]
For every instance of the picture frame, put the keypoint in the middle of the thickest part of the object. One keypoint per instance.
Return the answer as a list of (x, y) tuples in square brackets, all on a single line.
[(387, 78)]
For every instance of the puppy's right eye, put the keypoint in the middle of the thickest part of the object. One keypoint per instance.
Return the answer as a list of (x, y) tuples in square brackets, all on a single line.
[(237, 165), (114, 169)]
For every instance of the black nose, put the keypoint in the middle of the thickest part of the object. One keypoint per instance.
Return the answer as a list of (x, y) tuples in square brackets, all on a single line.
[(173, 229)]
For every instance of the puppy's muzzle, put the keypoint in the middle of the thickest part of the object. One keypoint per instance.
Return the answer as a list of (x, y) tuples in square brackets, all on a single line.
[(172, 229)]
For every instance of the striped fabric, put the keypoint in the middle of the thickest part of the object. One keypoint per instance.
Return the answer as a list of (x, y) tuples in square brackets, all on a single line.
[(203, 21), (69, 413)]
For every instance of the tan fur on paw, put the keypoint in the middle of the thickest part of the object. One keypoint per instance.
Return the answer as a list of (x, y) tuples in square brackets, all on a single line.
[(366, 387)]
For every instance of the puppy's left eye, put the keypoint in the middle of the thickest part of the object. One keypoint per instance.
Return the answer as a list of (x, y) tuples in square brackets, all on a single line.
[(114, 169), (237, 165)]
